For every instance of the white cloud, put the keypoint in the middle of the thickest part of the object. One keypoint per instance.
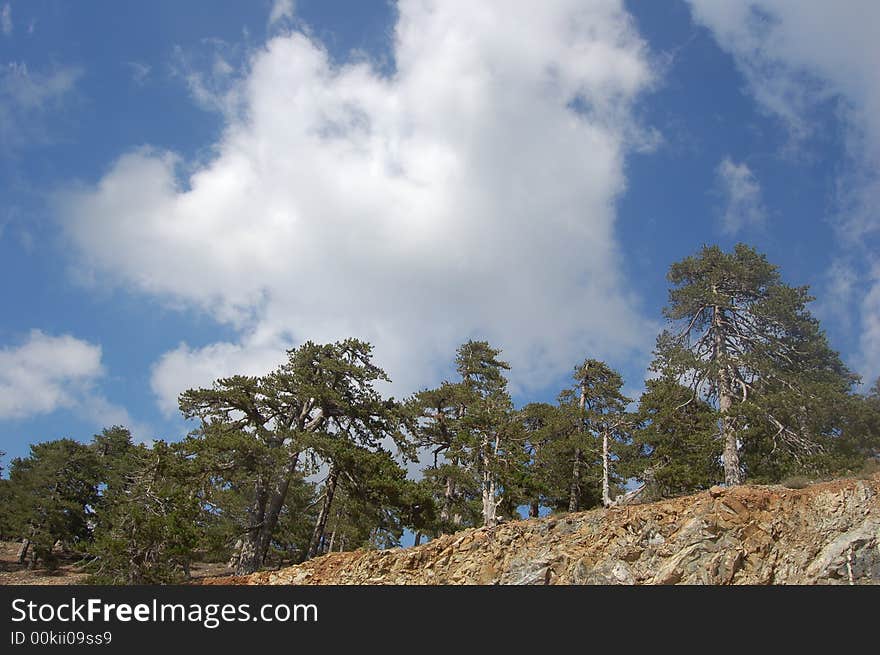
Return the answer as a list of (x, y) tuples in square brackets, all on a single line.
[(870, 339), (742, 197), (27, 97), (462, 196), (46, 373), (840, 290), (49, 373), (796, 55), (6, 20), (99, 411), (281, 10), (209, 75), (185, 367)]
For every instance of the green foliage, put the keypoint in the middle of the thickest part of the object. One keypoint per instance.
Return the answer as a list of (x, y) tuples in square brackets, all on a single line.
[(374, 503), (8, 527), (472, 425), (742, 363), (259, 435), (53, 492), (150, 526), (151, 523), (747, 344), (676, 441)]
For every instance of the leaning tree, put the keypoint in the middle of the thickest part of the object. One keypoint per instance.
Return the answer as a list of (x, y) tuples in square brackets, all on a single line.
[(744, 341), (263, 432)]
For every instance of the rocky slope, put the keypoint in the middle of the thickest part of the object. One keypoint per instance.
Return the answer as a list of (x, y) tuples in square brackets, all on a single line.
[(827, 533)]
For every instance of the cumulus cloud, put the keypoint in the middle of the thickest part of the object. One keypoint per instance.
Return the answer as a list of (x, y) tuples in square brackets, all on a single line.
[(796, 56), (208, 73), (186, 367), (742, 197), (469, 194), (870, 335), (281, 10), (47, 373)]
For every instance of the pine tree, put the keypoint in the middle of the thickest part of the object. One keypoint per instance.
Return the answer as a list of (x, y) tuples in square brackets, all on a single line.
[(598, 407), (374, 503), (434, 420), (675, 441), (341, 378), (115, 454), (247, 439), (471, 424), (541, 427), (746, 342), (860, 440), (260, 431), (150, 523), (52, 493)]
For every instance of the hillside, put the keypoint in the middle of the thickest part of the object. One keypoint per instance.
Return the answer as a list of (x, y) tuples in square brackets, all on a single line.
[(828, 533)]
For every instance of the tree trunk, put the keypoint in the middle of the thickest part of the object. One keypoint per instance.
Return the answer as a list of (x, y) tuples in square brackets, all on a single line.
[(417, 539), (487, 486), (574, 499), (321, 523), (534, 509), (606, 494), (456, 518), (448, 495), (249, 559), (575, 492), (276, 503), (236, 554), (489, 505), (23, 550), (732, 472)]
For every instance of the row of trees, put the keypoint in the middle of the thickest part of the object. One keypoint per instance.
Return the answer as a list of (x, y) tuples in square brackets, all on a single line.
[(311, 458)]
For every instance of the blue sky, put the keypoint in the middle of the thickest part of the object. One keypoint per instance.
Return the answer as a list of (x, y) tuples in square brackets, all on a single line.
[(190, 188)]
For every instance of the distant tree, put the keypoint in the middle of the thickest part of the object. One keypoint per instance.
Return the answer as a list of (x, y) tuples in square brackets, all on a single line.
[(489, 447), (52, 493), (541, 427), (7, 529), (5, 504), (471, 424), (115, 455), (152, 517), (676, 441), (745, 341), (598, 408), (435, 417), (374, 503), (341, 378)]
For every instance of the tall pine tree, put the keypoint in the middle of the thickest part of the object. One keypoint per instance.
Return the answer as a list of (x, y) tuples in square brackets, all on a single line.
[(745, 342)]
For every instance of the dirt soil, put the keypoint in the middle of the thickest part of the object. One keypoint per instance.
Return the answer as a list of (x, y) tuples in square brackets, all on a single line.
[(68, 571)]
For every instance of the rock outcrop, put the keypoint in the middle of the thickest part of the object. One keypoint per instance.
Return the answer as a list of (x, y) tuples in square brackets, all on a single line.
[(828, 533)]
